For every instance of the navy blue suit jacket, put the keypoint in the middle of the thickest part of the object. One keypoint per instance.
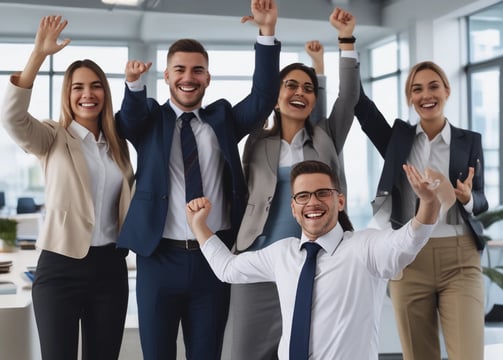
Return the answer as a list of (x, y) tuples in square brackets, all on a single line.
[(150, 127), (395, 144)]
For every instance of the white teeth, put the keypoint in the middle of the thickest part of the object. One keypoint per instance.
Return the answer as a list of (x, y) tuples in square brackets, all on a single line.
[(297, 103), (314, 215), (187, 88), (428, 105), (87, 104)]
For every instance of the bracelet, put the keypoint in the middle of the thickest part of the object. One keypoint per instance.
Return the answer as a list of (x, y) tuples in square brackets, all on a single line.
[(347, 40)]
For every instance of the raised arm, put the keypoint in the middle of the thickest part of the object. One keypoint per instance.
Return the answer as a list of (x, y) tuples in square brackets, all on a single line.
[(341, 117)]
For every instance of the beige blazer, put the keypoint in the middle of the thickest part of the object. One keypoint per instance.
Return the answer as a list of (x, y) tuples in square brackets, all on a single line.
[(261, 154), (69, 210)]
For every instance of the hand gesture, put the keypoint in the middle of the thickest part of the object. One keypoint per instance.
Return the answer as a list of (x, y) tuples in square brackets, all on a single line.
[(264, 14), (135, 68), (197, 211), (463, 189), (46, 40), (423, 185), (343, 21), (315, 51)]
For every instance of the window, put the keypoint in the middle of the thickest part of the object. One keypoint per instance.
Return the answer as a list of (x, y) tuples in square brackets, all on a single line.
[(485, 84)]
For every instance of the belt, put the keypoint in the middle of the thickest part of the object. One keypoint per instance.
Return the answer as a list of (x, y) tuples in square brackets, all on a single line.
[(182, 244)]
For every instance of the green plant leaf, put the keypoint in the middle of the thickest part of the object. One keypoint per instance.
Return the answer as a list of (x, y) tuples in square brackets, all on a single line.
[(490, 217), (494, 275)]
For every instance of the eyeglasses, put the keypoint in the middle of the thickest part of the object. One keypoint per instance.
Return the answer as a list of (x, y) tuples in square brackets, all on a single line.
[(294, 85), (303, 197)]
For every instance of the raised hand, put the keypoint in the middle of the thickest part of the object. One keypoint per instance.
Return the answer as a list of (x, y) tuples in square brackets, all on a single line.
[(315, 51), (197, 211), (134, 69), (264, 14), (46, 40), (463, 189), (343, 21)]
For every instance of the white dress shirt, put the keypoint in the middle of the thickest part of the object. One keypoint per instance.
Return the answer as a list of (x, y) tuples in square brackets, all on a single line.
[(435, 154), (106, 183), (350, 282)]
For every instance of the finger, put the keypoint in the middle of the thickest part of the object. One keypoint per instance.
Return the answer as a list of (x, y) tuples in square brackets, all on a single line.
[(471, 172)]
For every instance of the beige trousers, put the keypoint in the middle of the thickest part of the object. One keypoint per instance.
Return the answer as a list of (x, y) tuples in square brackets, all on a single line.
[(442, 285)]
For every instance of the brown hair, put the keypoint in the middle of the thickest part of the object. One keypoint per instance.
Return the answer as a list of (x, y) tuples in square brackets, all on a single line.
[(318, 167), (424, 65), (187, 45), (118, 146)]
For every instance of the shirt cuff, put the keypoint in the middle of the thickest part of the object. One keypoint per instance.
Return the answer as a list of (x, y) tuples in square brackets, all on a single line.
[(469, 205), (266, 40), (350, 54), (136, 85)]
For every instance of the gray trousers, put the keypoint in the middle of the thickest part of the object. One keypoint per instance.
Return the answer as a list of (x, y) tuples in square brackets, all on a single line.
[(256, 321)]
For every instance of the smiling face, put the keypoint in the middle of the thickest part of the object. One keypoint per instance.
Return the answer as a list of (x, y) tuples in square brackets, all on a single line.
[(87, 96), (188, 77), (316, 217), (296, 104), (428, 94)]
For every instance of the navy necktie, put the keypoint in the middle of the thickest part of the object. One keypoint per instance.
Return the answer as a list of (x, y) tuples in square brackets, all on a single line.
[(192, 172), (301, 323)]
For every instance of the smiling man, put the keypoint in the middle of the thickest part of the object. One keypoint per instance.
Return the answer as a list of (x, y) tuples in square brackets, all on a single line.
[(186, 151), (352, 266)]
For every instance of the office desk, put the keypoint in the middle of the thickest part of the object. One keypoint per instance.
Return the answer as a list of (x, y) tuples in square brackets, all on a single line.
[(18, 332)]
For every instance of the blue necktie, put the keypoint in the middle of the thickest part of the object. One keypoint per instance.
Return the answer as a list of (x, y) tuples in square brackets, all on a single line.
[(192, 172), (301, 323)]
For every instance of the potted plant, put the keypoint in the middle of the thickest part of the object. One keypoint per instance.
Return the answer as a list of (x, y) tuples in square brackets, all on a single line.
[(8, 233), (493, 273)]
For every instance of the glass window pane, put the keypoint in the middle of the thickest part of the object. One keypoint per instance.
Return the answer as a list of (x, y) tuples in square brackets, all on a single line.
[(385, 95), (486, 33), (18, 54), (112, 59), (384, 59), (485, 107)]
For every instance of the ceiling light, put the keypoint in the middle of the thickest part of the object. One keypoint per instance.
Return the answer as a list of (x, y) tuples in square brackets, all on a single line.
[(123, 2)]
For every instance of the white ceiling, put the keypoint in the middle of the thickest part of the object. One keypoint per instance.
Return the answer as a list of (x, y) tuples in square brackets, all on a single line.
[(213, 21)]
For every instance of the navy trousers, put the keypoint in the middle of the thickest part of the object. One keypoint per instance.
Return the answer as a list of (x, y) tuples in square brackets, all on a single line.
[(174, 286)]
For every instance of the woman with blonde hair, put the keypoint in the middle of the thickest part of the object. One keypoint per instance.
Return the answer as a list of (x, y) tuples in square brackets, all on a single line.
[(444, 283), (81, 277)]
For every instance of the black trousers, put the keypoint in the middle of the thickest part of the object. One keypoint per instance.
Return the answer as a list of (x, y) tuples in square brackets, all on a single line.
[(92, 291)]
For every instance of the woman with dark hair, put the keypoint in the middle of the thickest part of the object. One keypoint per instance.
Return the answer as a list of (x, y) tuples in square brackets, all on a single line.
[(299, 133), (81, 277)]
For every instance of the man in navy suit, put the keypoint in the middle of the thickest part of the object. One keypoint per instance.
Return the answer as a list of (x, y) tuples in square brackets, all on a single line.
[(174, 281)]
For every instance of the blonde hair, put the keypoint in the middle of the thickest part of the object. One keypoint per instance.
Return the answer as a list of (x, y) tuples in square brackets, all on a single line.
[(424, 65), (118, 145)]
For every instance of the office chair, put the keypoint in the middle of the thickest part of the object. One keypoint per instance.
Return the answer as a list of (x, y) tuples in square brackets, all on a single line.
[(26, 205)]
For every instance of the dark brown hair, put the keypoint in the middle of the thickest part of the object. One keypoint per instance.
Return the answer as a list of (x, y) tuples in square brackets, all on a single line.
[(187, 45)]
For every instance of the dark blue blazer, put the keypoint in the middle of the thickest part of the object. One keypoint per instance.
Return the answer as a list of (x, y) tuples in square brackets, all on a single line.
[(395, 143), (150, 127)]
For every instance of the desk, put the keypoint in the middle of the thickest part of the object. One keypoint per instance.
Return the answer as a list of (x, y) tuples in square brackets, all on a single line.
[(18, 332)]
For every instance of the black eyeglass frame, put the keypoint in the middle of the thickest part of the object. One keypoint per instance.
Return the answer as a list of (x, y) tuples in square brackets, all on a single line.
[(317, 193), (293, 85)]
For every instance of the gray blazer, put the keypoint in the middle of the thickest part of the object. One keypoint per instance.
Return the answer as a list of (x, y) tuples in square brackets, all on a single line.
[(261, 154)]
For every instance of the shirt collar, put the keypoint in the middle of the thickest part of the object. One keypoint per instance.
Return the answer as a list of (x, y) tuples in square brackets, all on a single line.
[(179, 112), (82, 132), (445, 133), (328, 242)]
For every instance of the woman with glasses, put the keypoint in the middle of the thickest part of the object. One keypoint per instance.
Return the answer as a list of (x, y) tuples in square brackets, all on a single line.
[(300, 132)]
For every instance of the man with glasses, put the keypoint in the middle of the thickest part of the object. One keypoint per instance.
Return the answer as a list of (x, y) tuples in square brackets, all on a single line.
[(352, 267)]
